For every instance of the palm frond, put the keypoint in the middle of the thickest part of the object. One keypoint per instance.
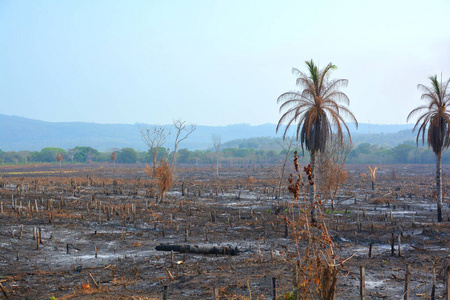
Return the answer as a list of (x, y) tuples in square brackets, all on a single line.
[(434, 121), (316, 107)]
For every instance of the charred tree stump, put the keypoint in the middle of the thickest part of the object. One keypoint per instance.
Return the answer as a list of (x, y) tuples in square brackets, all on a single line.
[(392, 245), (165, 292)]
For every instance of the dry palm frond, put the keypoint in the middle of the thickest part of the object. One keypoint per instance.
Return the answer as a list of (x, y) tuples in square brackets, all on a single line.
[(373, 172)]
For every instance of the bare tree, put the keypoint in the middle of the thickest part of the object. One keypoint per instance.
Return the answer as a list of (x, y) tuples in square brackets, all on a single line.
[(154, 138), (216, 141), (182, 133), (332, 167)]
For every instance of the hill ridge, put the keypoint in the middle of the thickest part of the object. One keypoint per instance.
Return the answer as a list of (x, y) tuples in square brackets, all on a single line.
[(20, 133)]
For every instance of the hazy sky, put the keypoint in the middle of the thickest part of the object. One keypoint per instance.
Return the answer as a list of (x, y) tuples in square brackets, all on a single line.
[(213, 62)]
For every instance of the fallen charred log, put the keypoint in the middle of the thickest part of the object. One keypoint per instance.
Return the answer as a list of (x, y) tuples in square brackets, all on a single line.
[(222, 250)]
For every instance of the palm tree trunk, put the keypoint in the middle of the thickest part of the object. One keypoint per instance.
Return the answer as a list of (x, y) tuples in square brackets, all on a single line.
[(312, 188), (439, 185)]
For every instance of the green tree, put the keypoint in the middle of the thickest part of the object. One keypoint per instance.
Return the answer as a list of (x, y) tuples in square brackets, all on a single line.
[(316, 109), (85, 154), (434, 120), (47, 154), (403, 153), (127, 156), (184, 155)]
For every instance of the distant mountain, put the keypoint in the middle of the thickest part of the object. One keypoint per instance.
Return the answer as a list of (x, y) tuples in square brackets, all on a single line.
[(18, 133)]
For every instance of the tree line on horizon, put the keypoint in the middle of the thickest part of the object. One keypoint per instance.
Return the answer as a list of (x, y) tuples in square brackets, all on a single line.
[(363, 153)]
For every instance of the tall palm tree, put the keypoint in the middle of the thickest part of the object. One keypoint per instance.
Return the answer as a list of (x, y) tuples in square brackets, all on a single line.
[(436, 117), (318, 110)]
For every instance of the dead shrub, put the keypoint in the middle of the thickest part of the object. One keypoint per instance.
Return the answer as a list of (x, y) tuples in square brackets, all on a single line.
[(164, 178), (316, 264)]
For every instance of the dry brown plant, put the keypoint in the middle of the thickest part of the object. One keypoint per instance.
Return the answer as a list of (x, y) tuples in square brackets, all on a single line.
[(59, 158), (164, 178), (316, 265)]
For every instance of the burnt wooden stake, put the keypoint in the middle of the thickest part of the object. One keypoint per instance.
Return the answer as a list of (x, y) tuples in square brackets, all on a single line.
[(392, 245), (286, 230), (362, 283), (447, 283), (95, 250), (274, 288), (407, 280), (259, 253), (165, 292), (433, 287), (216, 293), (399, 245), (249, 290), (100, 213), (370, 250)]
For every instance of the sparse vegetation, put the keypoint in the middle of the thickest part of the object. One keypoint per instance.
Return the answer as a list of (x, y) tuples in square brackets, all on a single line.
[(122, 215)]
